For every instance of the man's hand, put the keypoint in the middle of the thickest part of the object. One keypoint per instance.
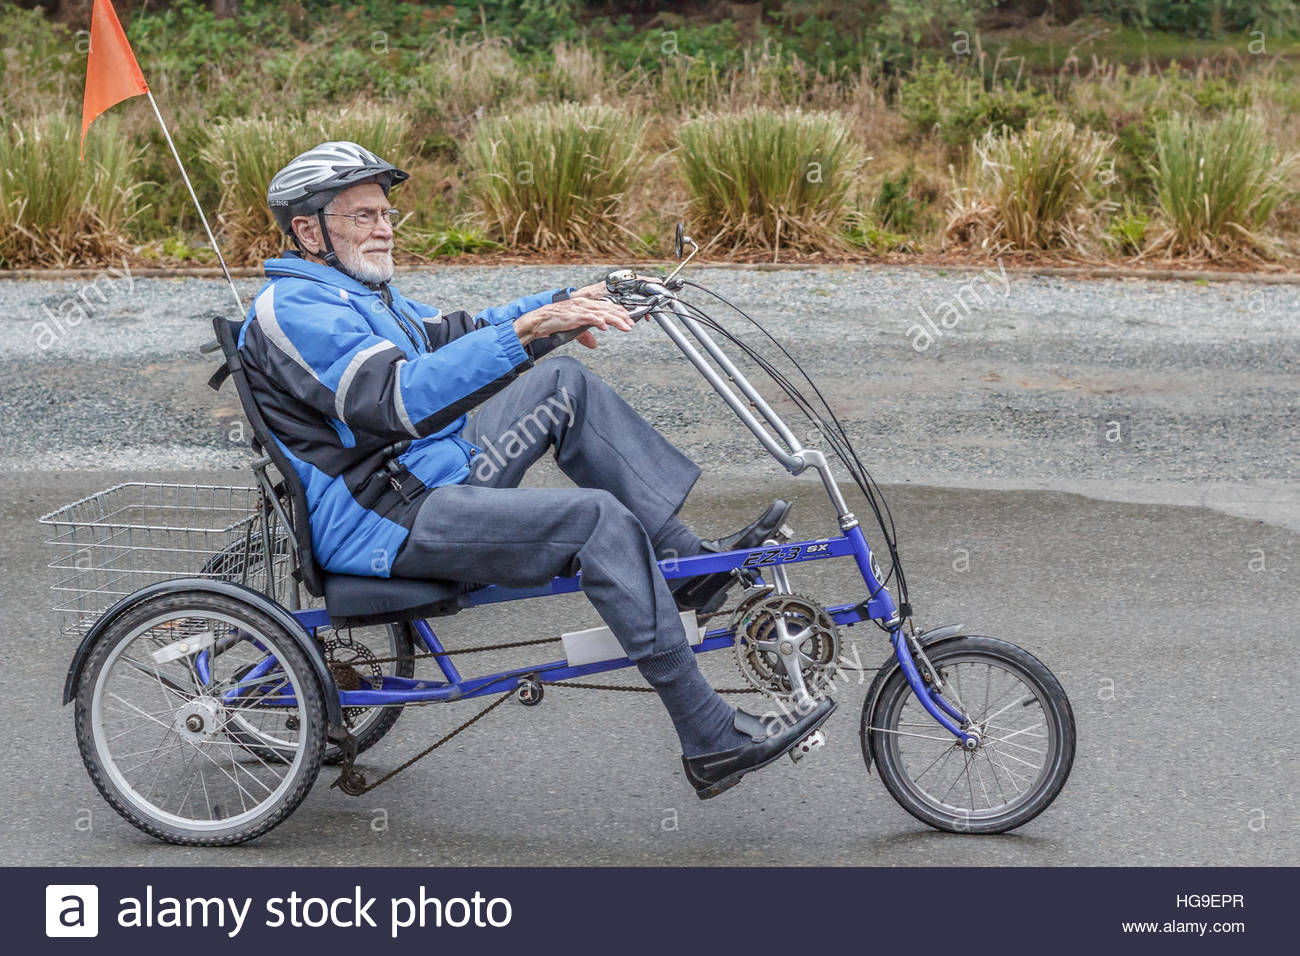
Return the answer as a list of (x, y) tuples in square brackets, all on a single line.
[(573, 313), (596, 290)]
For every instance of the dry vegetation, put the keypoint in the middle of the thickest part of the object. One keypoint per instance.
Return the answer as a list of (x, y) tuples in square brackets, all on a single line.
[(564, 151)]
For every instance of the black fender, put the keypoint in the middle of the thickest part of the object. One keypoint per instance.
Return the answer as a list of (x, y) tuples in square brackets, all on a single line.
[(239, 592), (936, 635)]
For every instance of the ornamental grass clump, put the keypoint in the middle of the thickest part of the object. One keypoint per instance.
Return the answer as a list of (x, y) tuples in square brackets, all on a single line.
[(555, 178), (243, 154), (57, 209), (769, 179), (1044, 188), (1217, 183)]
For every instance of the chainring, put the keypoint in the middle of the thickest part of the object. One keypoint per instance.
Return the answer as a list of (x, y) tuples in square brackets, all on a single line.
[(757, 624)]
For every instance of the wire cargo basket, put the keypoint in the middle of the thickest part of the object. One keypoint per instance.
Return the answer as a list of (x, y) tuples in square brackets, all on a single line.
[(112, 543)]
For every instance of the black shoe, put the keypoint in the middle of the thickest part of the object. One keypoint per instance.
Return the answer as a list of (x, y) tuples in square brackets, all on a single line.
[(711, 774), (707, 592)]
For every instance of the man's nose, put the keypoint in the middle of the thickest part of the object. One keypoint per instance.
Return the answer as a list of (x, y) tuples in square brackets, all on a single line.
[(383, 229)]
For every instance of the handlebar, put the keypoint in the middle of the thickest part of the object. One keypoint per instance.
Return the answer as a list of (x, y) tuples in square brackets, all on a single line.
[(636, 310)]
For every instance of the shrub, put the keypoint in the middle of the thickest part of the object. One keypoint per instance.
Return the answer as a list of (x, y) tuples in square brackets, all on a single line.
[(895, 208), (1040, 189), (57, 209), (460, 77), (243, 154), (1217, 183), (769, 179), (451, 241), (556, 177), (956, 107), (861, 231), (576, 73)]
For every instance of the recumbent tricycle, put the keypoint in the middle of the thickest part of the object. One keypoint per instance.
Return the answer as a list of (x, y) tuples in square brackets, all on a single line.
[(205, 707)]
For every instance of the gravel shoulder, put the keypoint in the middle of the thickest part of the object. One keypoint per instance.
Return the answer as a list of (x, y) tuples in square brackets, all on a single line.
[(1162, 392)]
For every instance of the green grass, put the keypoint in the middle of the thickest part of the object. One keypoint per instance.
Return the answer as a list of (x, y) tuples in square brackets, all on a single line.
[(769, 179), (1217, 184), (1043, 188), (553, 178), (864, 233), (57, 209), (451, 241), (1128, 230)]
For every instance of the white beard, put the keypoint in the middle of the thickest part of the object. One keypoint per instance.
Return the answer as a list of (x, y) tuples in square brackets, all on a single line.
[(363, 269)]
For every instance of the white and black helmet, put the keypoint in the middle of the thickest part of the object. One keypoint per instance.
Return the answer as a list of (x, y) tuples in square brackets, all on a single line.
[(312, 179)]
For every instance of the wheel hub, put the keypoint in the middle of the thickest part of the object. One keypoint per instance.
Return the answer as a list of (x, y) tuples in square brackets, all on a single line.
[(199, 718)]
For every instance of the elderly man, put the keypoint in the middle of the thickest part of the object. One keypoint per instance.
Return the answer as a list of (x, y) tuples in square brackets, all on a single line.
[(367, 393)]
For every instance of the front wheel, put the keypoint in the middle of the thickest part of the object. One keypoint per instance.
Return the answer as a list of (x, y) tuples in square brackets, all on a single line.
[(1024, 721)]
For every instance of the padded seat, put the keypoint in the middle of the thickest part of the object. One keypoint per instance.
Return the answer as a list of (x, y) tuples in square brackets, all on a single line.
[(353, 600)]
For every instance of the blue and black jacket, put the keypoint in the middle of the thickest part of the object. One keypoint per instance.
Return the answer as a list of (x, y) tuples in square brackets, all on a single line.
[(366, 392)]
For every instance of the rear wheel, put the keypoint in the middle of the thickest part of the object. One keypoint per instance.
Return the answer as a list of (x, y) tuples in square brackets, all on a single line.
[(153, 712), (1026, 728)]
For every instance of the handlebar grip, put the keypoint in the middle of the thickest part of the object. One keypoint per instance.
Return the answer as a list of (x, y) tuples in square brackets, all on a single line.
[(568, 335)]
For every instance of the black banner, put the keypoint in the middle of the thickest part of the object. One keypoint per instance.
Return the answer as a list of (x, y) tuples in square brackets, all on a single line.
[(198, 910)]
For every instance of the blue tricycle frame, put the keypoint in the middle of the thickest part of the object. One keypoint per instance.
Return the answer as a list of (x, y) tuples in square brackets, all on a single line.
[(878, 607)]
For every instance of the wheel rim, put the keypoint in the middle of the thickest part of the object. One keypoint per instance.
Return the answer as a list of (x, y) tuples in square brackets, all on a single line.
[(1019, 741), (192, 761)]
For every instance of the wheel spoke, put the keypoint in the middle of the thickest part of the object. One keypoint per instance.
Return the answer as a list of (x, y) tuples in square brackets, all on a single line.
[(944, 755), (1020, 760), (1015, 777), (903, 733), (985, 720)]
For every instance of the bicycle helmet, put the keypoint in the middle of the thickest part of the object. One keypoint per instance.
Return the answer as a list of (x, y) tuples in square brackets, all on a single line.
[(311, 179)]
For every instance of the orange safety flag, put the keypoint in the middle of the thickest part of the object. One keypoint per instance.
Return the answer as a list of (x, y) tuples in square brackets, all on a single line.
[(112, 74)]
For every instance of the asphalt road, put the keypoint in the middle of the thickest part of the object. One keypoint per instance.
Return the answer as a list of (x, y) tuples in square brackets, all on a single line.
[(1165, 599)]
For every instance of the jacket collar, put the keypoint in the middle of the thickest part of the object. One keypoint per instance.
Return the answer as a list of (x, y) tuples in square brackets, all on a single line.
[(292, 263)]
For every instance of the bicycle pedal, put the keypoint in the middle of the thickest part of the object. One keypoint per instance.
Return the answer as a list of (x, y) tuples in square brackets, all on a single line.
[(814, 741)]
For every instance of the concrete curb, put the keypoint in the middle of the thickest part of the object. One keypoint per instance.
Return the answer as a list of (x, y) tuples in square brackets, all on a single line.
[(1064, 272)]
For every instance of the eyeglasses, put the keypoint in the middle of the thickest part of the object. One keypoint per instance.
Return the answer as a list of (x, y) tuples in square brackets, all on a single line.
[(367, 218)]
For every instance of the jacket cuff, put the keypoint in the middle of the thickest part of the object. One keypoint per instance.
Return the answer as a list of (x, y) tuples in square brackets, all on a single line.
[(559, 295), (508, 339)]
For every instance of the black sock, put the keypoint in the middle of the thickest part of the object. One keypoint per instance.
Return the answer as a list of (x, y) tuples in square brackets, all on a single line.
[(675, 540), (705, 722)]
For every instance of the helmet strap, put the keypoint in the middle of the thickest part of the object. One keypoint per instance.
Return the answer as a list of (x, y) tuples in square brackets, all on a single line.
[(331, 258)]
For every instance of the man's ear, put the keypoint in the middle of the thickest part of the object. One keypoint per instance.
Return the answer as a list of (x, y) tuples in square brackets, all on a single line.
[(307, 229)]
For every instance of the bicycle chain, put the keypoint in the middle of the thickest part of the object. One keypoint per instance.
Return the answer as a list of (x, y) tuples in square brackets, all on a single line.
[(354, 784)]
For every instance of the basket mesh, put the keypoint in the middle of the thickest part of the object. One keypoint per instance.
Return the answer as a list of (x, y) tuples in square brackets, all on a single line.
[(119, 540)]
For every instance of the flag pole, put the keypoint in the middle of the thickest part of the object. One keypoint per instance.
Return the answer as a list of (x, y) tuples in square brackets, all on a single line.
[(202, 218)]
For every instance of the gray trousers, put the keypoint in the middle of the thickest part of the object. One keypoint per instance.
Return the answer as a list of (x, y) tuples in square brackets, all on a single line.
[(631, 481)]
